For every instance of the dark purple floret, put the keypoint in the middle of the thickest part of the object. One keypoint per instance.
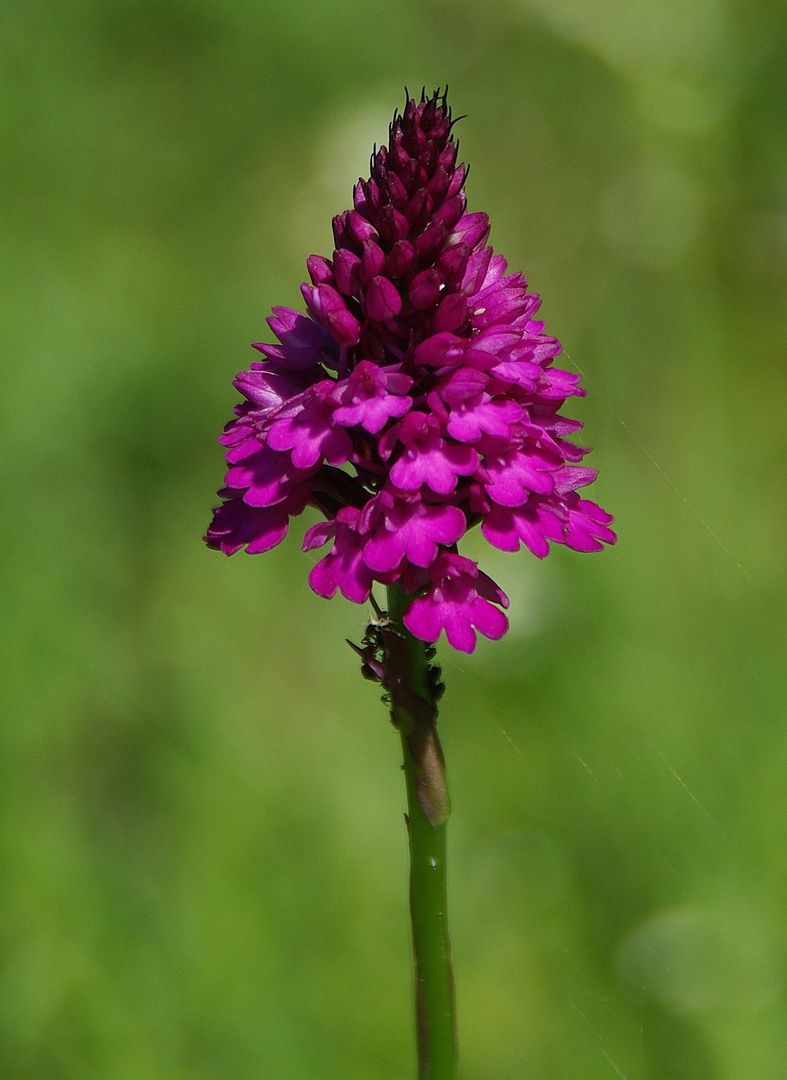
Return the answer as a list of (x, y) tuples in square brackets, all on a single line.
[(413, 401)]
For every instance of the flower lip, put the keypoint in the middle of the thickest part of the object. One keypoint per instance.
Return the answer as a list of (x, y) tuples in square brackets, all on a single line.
[(371, 396)]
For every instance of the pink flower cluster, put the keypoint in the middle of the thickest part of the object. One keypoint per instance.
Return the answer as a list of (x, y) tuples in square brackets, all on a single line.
[(413, 401)]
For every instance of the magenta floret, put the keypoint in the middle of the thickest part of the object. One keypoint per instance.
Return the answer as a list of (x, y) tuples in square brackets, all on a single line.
[(413, 400)]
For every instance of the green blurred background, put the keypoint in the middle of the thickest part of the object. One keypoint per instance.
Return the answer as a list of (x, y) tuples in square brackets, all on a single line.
[(203, 852)]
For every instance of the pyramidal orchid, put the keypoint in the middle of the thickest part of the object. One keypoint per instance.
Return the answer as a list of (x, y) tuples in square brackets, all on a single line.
[(413, 399)]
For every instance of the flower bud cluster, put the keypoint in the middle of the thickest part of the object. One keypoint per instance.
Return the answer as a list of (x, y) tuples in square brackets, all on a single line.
[(416, 399)]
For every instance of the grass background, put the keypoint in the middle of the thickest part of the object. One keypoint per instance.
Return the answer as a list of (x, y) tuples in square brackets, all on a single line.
[(203, 854)]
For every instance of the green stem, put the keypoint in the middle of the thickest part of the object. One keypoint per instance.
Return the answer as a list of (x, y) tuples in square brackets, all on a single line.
[(414, 713)]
